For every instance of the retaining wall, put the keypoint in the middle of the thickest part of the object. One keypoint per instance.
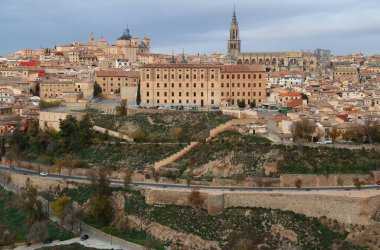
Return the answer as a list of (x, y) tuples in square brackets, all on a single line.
[(113, 133), (345, 209)]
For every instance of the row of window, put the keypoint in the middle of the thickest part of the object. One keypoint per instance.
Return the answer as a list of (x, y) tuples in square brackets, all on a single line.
[(187, 76), (212, 93), (187, 101), (111, 84), (238, 85), (119, 79)]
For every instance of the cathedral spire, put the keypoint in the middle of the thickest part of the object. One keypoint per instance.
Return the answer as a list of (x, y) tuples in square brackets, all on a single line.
[(234, 15)]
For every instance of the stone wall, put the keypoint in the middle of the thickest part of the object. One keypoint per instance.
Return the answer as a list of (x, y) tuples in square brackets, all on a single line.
[(113, 133), (174, 157), (288, 180), (345, 209)]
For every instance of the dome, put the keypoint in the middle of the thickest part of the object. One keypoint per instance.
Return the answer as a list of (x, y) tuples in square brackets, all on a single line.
[(125, 36)]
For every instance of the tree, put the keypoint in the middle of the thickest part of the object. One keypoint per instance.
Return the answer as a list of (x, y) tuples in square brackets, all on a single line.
[(138, 96), (31, 204), (97, 90), (85, 130), (2, 149), (334, 133), (302, 129), (60, 207), (37, 232), (195, 198), (100, 208), (304, 97), (298, 183), (122, 109), (241, 104), (128, 177)]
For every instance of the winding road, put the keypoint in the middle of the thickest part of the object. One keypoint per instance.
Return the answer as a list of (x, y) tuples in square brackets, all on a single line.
[(184, 186)]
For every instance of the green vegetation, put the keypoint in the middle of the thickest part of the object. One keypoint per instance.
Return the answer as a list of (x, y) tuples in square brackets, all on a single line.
[(15, 224), (73, 246), (76, 145), (171, 126), (252, 151), (228, 228), (46, 104)]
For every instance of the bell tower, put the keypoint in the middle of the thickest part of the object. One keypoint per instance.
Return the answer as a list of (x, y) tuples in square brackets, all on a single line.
[(234, 40)]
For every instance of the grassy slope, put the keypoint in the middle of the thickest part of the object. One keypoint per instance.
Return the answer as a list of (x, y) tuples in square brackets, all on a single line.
[(13, 218), (250, 151), (258, 221)]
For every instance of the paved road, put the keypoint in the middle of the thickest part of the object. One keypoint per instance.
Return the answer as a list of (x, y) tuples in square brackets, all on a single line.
[(183, 186)]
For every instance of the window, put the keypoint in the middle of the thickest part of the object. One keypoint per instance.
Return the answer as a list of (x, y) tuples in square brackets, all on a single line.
[(212, 93), (249, 93), (165, 85), (158, 85), (187, 93), (233, 94), (233, 76), (222, 76), (228, 85), (187, 85), (259, 76), (158, 76), (238, 93), (172, 101), (249, 76), (195, 85), (259, 93), (195, 76), (111, 79), (147, 93), (243, 76), (233, 85), (158, 101), (221, 93), (118, 79), (254, 93), (201, 93), (195, 93), (194, 101), (165, 76), (165, 101), (243, 85), (105, 78), (202, 85), (180, 76), (212, 85), (165, 93), (158, 93), (172, 93), (212, 76), (259, 84), (254, 76), (212, 101), (238, 85), (187, 101), (254, 85), (222, 85), (228, 76), (180, 93), (172, 75), (187, 76), (172, 84), (249, 85), (238, 76), (180, 101), (202, 76), (147, 85)]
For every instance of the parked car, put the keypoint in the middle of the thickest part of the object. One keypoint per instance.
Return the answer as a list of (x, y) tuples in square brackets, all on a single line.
[(44, 174), (47, 241), (378, 183), (321, 142), (84, 237)]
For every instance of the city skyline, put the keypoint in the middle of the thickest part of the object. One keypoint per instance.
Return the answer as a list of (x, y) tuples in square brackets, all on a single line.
[(198, 27)]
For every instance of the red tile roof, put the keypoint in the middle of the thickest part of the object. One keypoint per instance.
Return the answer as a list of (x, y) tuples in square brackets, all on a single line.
[(116, 73), (295, 103), (290, 94)]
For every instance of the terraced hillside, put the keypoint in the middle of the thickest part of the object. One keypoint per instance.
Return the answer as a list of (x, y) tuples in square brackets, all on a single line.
[(170, 126), (233, 154)]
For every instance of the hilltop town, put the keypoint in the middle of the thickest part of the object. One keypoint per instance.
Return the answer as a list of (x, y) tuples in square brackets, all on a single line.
[(233, 150)]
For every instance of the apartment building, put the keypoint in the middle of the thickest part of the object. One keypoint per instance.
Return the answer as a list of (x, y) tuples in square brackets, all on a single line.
[(201, 84), (54, 89), (343, 74)]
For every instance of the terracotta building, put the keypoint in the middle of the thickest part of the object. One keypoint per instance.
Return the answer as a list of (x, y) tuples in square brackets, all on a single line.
[(201, 84)]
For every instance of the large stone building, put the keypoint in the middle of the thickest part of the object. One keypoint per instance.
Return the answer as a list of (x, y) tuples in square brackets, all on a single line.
[(274, 61), (111, 81), (202, 84), (346, 74)]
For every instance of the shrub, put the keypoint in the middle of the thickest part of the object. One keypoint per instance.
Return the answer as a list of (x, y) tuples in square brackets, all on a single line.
[(195, 198), (298, 183)]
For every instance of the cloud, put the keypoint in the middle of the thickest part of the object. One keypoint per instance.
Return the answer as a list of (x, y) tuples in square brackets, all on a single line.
[(199, 26)]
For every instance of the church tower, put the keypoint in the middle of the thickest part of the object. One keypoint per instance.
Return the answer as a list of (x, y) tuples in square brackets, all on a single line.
[(234, 41)]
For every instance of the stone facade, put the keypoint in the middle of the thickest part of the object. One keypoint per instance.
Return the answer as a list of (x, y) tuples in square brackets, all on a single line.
[(202, 84)]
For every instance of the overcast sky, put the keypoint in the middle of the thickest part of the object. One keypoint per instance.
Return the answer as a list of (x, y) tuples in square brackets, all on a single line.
[(198, 26)]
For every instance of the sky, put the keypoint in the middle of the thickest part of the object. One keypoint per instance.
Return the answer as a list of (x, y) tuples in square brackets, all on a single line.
[(197, 26)]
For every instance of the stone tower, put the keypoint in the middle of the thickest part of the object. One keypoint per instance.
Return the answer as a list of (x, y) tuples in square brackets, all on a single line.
[(234, 41)]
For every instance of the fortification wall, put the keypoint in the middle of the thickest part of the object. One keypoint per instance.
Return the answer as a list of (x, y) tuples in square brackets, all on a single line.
[(345, 209), (312, 180)]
